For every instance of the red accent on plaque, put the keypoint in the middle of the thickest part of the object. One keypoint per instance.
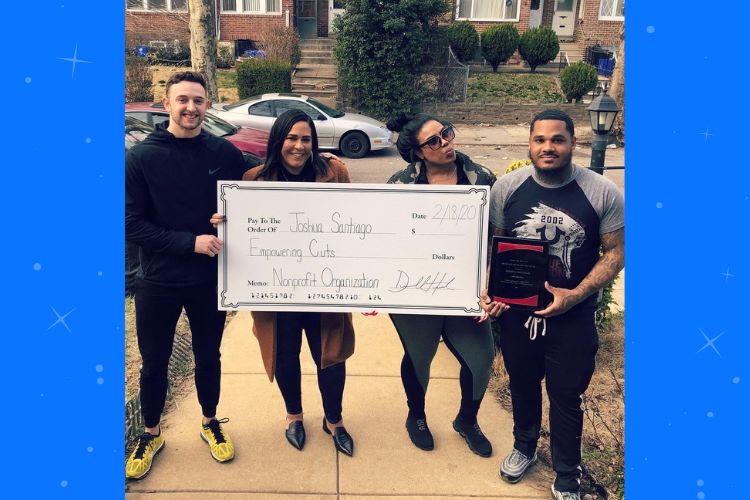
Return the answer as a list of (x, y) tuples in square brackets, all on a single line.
[(528, 301), (507, 247)]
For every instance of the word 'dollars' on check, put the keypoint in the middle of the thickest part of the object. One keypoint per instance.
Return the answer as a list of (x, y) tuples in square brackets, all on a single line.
[(352, 247)]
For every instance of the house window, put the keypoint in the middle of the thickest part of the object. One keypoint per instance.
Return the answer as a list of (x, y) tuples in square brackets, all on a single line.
[(488, 10), (252, 6), (612, 10), (173, 5)]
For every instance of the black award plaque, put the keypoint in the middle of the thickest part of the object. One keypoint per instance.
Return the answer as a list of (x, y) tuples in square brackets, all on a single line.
[(518, 270)]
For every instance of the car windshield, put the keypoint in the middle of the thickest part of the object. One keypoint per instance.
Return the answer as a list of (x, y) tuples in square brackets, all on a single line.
[(135, 131), (333, 113), (218, 127), (242, 102)]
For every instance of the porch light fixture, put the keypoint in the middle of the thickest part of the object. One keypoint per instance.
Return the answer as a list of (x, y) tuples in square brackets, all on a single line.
[(602, 112)]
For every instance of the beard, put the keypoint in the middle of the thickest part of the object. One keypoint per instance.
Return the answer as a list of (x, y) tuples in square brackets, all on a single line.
[(555, 175)]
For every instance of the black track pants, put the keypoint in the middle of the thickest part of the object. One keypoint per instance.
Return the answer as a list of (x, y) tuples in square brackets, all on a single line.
[(564, 357)]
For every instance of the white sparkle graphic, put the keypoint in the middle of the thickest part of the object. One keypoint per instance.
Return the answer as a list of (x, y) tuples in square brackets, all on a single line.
[(727, 275), (60, 319), (706, 133), (37, 266), (74, 60), (710, 342), (650, 29)]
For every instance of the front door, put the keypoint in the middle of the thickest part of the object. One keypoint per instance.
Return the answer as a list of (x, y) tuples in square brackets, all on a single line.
[(563, 22), (535, 13), (335, 9), (307, 18)]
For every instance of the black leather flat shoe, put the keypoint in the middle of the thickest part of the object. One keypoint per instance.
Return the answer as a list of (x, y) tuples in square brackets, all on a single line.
[(295, 434), (341, 439)]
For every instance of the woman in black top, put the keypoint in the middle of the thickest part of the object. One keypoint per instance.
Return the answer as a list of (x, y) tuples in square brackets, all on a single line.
[(426, 142)]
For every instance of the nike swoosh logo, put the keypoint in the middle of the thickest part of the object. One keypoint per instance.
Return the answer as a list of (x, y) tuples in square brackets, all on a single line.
[(212, 172)]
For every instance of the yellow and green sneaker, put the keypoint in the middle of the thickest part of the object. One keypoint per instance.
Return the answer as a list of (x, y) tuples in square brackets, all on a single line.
[(218, 441), (139, 463)]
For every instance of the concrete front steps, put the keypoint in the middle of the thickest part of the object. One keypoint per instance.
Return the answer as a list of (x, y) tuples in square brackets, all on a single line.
[(315, 75)]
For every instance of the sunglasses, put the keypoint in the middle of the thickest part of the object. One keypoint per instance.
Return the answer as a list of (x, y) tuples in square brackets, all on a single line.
[(434, 143)]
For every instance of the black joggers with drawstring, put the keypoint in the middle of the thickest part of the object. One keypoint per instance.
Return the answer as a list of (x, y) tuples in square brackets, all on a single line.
[(564, 356)]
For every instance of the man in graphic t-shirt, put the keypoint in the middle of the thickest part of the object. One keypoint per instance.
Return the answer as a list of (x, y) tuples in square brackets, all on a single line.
[(577, 212)]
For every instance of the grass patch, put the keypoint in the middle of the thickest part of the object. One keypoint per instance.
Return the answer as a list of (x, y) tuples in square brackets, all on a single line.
[(226, 78), (510, 87), (226, 81)]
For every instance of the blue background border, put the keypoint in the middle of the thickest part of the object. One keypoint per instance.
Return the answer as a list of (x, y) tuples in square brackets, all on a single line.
[(687, 211), (687, 256), (62, 198)]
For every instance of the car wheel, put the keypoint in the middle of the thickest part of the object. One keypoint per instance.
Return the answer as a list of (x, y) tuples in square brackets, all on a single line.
[(355, 145)]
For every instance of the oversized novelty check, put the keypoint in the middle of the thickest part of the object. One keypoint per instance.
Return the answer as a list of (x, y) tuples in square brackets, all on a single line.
[(413, 249)]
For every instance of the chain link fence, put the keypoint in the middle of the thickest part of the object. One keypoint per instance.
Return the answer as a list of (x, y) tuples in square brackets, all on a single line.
[(447, 80)]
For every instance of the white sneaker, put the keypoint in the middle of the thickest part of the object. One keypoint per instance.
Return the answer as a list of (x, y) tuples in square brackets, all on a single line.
[(515, 466), (565, 495)]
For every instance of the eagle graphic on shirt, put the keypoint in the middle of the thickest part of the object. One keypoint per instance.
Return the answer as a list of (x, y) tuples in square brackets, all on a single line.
[(563, 233)]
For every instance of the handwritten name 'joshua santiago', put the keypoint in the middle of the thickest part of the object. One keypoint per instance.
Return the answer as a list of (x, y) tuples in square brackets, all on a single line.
[(303, 224)]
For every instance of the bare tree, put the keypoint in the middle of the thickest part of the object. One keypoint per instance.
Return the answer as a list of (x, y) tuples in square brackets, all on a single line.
[(617, 90), (203, 42)]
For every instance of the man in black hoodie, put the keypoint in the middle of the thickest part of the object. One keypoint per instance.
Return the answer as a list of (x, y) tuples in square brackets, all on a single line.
[(170, 194)]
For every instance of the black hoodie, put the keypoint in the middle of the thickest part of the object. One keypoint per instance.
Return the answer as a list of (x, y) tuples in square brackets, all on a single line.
[(170, 195)]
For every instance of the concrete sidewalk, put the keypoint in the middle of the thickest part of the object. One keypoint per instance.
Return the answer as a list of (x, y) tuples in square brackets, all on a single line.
[(385, 463)]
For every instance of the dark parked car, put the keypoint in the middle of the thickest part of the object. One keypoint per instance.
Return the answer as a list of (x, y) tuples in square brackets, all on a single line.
[(247, 140)]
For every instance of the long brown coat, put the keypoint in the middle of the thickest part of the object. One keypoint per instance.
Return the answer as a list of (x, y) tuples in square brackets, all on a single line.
[(336, 329)]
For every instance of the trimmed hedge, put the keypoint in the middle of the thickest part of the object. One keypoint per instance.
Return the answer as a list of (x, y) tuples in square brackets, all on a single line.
[(382, 50), (577, 80), (258, 76), (499, 42), (463, 39), (538, 46)]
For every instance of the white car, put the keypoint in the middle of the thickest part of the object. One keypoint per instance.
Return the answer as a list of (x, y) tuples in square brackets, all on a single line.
[(353, 134)]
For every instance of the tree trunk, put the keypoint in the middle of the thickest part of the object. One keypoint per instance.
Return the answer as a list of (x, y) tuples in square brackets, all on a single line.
[(617, 91), (203, 42)]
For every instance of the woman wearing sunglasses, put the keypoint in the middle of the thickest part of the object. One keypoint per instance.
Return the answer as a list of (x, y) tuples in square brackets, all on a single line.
[(426, 143)]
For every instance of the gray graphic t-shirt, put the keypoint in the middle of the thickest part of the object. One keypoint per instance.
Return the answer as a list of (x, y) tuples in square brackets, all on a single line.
[(570, 217)]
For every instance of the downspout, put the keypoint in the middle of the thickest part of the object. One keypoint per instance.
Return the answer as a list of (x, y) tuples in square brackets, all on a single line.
[(217, 4)]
